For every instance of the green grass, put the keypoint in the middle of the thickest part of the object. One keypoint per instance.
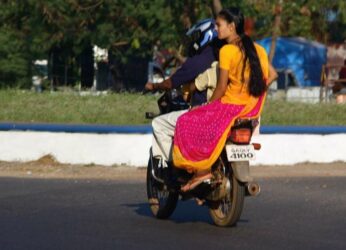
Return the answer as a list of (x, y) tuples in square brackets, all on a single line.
[(70, 107), (295, 113), (129, 109)]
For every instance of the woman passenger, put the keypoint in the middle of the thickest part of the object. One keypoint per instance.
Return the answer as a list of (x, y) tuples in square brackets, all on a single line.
[(201, 134)]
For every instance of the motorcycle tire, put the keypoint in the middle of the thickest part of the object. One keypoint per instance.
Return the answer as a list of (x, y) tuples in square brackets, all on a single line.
[(162, 202), (226, 212)]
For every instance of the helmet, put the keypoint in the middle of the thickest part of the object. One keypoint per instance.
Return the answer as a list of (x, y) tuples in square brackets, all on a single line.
[(201, 34)]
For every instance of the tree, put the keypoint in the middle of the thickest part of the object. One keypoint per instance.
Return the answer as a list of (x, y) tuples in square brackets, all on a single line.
[(15, 43), (276, 30), (63, 31), (216, 7)]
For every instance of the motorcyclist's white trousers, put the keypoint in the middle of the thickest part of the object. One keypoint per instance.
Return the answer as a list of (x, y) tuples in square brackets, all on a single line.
[(163, 132)]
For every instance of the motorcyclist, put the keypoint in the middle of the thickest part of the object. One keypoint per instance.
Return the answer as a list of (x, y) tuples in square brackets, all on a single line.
[(203, 51)]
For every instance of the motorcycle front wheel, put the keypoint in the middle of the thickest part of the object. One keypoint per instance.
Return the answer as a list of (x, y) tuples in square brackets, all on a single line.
[(162, 202), (226, 212)]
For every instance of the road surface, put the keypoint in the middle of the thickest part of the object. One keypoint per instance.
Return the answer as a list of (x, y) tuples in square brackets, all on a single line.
[(45, 205)]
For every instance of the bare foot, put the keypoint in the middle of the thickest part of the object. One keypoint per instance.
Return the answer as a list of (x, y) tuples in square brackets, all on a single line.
[(195, 181)]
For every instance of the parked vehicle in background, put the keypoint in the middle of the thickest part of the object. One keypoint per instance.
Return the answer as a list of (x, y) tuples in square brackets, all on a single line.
[(40, 68)]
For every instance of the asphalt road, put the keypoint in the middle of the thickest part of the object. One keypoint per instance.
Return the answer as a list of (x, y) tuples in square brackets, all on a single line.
[(291, 213)]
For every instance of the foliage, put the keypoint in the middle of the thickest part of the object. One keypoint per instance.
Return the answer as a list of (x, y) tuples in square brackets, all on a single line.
[(32, 29), (321, 20), (13, 63)]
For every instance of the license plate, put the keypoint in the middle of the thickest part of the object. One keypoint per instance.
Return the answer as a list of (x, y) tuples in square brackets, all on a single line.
[(240, 152)]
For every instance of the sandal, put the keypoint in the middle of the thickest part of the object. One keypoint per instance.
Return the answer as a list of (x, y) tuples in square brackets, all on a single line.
[(195, 181)]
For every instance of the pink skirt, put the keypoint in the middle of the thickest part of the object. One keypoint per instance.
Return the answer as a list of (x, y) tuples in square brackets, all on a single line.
[(201, 133)]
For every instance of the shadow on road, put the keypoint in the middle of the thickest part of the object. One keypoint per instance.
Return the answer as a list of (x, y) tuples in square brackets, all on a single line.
[(185, 212)]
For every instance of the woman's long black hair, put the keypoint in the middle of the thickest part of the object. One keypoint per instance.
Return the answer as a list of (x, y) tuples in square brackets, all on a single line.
[(257, 85)]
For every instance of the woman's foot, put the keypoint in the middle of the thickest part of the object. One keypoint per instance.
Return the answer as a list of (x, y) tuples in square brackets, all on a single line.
[(200, 202), (197, 179)]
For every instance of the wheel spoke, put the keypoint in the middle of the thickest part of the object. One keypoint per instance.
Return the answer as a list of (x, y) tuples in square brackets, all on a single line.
[(227, 211), (225, 206), (226, 203), (162, 196)]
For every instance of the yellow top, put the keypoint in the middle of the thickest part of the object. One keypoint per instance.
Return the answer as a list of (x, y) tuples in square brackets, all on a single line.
[(231, 59), (236, 93)]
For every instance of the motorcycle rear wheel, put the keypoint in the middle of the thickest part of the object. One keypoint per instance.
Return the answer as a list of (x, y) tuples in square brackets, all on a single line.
[(162, 202), (226, 212)]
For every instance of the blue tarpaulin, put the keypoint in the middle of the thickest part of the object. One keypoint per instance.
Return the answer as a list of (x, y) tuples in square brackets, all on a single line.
[(304, 57)]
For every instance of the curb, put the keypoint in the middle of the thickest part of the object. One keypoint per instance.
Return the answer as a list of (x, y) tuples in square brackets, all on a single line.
[(146, 129)]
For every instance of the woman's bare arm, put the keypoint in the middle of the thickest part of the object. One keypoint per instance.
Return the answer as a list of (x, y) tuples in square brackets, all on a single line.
[(272, 74), (221, 85)]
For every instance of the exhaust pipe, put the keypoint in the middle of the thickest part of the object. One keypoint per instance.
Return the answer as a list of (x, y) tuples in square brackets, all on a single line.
[(252, 189)]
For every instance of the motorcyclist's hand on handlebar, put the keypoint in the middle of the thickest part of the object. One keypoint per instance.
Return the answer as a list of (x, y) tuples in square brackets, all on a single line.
[(149, 86)]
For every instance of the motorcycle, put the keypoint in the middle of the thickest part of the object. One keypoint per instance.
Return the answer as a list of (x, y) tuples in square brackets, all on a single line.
[(231, 181)]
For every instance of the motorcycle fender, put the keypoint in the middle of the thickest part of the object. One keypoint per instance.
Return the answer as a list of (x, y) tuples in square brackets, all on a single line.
[(241, 170)]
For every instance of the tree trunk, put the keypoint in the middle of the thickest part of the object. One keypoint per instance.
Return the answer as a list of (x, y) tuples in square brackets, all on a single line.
[(117, 73), (56, 73), (276, 31), (189, 16), (216, 7), (87, 67)]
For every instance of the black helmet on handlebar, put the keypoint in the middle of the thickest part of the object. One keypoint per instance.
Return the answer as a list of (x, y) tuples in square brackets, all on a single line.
[(200, 35)]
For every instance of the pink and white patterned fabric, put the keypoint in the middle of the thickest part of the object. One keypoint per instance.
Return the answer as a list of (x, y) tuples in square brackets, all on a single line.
[(198, 131)]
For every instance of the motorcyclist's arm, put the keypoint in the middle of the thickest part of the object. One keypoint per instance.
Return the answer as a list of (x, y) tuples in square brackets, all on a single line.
[(180, 76), (272, 74), (188, 71), (192, 87), (221, 86), (164, 85)]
